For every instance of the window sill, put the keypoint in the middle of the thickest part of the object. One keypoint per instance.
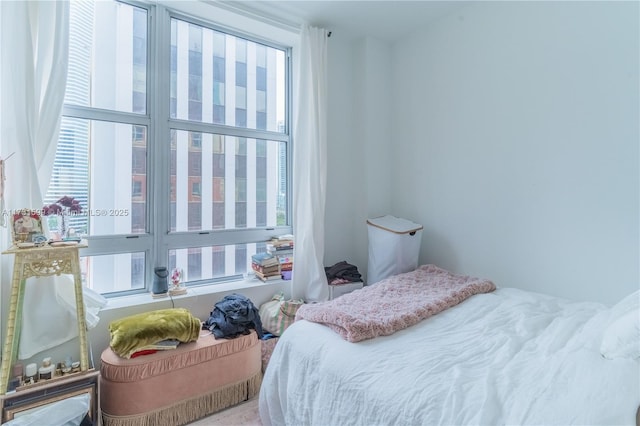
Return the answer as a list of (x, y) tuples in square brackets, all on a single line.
[(192, 292)]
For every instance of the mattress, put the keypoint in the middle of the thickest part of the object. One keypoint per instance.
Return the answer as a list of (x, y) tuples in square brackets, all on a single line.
[(180, 385), (507, 357)]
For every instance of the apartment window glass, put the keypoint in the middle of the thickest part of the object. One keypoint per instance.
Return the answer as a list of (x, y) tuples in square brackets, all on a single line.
[(108, 40), (207, 62), (203, 159)]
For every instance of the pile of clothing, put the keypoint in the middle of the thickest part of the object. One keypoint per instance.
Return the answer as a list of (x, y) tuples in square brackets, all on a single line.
[(232, 316), (342, 273)]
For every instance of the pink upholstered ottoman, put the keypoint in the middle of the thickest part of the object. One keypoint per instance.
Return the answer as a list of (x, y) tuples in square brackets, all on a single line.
[(178, 386)]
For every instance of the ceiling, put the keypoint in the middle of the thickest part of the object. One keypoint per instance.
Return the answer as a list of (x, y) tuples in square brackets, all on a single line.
[(384, 20)]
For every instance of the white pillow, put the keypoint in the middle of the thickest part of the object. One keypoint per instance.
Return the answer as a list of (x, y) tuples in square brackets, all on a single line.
[(621, 337)]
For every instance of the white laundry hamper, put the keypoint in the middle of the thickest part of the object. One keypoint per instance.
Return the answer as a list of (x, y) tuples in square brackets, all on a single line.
[(394, 247)]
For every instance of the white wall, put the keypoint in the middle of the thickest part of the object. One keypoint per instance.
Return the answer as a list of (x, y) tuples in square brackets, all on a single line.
[(341, 203), (358, 184), (515, 135)]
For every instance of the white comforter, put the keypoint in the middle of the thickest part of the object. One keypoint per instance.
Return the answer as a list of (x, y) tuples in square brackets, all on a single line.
[(507, 357)]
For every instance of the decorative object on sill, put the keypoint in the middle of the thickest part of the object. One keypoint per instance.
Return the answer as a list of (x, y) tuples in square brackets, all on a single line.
[(55, 378), (16, 376), (65, 206), (160, 286), (25, 225), (30, 372), (65, 369), (17, 370), (65, 366), (176, 276), (14, 383), (46, 371), (177, 287)]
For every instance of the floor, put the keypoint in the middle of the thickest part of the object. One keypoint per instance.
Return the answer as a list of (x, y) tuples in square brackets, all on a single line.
[(245, 414)]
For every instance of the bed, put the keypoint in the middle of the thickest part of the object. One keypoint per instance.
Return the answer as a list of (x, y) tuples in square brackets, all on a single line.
[(500, 357)]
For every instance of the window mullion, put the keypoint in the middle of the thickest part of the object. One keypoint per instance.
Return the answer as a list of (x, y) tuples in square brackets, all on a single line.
[(289, 131), (160, 110), (90, 113), (103, 245), (223, 237), (227, 130)]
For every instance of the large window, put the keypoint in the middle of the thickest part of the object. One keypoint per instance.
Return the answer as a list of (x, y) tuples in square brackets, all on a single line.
[(178, 151)]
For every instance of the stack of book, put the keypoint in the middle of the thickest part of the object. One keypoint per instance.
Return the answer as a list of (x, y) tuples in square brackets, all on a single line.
[(281, 245), (282, 248), (266, 266)]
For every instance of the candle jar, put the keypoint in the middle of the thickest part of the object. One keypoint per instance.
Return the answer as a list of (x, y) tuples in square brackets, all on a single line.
[(46, 371), (31, 372)]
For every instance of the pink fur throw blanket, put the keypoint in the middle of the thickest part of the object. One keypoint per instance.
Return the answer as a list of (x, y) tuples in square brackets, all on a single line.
[(394, 303)]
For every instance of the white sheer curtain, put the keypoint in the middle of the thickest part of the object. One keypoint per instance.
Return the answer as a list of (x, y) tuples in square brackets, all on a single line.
[(34, 55), (34, 73), (310, 167)]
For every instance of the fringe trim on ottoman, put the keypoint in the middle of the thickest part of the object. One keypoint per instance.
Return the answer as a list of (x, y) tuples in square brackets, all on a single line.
[(192, 409)]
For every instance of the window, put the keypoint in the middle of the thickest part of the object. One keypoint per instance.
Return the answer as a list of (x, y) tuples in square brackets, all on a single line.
[(194, 174), (196, 140), (136, 191), (195, 189)]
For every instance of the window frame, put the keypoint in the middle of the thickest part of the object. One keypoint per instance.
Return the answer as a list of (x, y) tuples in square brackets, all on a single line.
[(158, 240)]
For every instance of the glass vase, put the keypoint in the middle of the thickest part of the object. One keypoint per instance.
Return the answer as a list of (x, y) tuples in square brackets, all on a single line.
[(62, 226)]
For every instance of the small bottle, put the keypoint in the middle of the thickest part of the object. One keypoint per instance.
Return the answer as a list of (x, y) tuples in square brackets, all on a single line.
[(31, 372), (17, 373), (17, 370), (46, 371)]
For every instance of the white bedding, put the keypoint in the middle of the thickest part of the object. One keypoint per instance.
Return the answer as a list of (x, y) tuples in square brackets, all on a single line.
[(507, 357)]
